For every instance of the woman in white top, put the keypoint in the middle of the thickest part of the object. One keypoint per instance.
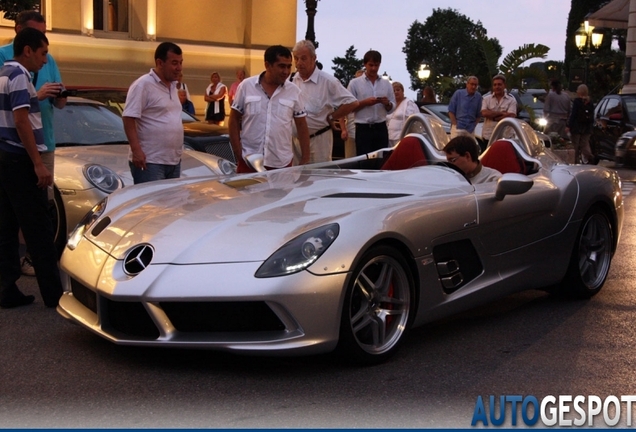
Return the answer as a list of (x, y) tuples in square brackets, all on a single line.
[(215, 97), (405, 107)]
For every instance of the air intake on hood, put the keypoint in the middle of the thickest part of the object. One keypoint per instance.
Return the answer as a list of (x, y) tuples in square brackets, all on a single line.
[(367, 195)]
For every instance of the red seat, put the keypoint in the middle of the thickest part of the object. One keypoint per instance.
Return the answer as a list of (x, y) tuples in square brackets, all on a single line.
[(408, 153), (503, 157)]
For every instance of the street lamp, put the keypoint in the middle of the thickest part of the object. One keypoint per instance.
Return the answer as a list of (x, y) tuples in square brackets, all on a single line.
[(312, 7), (386, 77), (424, 73), (585, 39)]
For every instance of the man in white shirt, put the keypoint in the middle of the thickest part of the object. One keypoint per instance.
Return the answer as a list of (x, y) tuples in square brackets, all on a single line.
[(325, 99), (376, 99), (263, 113), (496, 106)]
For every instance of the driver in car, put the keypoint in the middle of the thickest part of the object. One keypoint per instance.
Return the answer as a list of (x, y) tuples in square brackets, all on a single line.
[(461, 151)]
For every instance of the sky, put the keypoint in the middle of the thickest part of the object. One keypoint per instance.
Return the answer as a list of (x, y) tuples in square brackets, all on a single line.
[(383, 26)]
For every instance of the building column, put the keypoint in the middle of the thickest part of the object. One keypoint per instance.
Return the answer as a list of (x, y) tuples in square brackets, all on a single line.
[(630, 51)]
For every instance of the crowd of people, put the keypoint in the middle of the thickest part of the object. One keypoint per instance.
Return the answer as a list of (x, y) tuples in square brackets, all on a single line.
[(277, 120)]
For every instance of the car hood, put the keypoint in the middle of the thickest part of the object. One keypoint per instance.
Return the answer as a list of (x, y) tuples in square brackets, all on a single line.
[(200, 129), (247, 218)]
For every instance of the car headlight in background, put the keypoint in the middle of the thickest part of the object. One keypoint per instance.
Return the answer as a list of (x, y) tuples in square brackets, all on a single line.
[(103, 178), (87, 221), (227, 167), (542, 122), (299, 253)]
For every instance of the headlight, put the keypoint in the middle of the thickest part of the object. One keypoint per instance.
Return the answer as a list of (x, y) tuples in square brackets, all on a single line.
[(86, 222), (299, 253), (542, 122), (227, 167), (103, 178)]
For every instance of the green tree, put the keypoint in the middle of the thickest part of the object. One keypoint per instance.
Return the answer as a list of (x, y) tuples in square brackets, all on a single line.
[(346, 67), (448, 43), (12, 8)]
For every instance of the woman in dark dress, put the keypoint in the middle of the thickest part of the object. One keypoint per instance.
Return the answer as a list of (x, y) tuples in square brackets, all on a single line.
[(215, 97)]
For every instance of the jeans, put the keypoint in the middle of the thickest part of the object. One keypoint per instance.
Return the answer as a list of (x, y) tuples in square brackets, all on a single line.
[(25, 206), (371, 137), (154, 172)]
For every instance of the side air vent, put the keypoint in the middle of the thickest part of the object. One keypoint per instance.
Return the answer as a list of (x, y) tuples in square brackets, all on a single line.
[(367, 195)]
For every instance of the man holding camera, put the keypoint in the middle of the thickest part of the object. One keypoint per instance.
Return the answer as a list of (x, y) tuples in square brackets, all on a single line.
[(48, 84)]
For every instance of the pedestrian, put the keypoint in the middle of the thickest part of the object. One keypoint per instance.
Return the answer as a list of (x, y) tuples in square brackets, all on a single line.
[(263, 114), (24, 178), (183, 86), (496, 106), (404, 108), (48, 84), (579, 124), (325, 100), (376, 101), (464, 109), (152, 118), (348, 128), (215, 97), (556, 109), (186, 104), (428, 95), (240, 76)]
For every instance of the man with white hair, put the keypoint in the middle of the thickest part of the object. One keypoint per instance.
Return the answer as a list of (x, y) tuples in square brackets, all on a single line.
[(325, 100)]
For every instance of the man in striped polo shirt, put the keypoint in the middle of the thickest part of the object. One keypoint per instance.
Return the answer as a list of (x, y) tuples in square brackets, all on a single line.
[(24, 178)]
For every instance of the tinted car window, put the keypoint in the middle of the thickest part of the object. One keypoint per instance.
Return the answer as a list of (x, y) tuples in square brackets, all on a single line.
[(630, 106), (88, 124), (613, 106)]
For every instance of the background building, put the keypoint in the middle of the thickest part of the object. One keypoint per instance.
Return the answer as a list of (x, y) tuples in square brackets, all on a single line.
[(112, 42)]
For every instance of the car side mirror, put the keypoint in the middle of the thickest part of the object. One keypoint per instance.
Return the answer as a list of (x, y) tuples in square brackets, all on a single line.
[(512, 184)]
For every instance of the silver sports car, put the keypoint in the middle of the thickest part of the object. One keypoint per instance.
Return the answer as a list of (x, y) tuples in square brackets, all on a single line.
[(347, 255)]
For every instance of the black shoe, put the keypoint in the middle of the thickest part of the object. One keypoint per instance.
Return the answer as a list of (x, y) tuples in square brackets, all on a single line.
[(16, 300)]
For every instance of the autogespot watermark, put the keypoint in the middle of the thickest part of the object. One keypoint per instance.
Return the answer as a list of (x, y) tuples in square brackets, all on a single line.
[(562, 410)]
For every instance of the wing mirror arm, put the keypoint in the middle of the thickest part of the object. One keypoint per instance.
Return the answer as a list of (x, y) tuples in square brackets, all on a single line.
[(512, 184)]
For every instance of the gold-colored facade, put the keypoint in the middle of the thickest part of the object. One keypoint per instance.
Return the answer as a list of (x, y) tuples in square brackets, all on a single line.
[(215, 35)]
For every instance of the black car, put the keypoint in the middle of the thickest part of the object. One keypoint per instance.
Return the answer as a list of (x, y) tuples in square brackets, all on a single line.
[(614, 115)]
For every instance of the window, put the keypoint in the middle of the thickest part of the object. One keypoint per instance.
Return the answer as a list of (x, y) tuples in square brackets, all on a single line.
[(110, 15)]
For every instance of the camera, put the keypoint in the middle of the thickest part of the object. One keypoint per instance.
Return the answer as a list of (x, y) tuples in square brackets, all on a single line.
[(66, 93)]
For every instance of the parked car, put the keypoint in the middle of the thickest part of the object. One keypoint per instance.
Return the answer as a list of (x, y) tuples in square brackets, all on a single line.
[(614, 115), (342, 255), (91, 161), (530, 106), (198, 135)]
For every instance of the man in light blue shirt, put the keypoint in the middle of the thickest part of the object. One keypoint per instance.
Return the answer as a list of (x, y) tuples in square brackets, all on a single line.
[(464, 109)]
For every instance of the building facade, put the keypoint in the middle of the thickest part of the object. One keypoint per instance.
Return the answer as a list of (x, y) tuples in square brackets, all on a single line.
[(112, 42)]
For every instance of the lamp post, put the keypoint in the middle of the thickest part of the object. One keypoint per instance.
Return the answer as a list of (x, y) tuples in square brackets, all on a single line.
[(585, 39), (423, 74), (310, 35), (387, 77)]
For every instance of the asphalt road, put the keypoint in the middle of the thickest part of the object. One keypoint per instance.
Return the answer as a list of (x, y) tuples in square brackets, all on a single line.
[(54, 374)]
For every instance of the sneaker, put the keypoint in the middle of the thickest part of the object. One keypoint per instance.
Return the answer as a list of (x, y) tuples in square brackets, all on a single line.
[(27, 267)]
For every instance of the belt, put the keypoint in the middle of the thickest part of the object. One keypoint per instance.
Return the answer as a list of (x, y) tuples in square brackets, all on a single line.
[(371, 125), (320, 132)]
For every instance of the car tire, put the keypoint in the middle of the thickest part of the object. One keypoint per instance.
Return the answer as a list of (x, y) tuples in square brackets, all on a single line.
[(378, 307), (591, 256), (58, 215)]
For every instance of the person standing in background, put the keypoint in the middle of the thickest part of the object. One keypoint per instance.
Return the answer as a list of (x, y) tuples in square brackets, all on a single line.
[(325, 99), (215, 97), (464, 109), (376, 101), (496, 106), (557, 109), (48, 84), (240, 76), (580, 123), (405, 107), (152, 118)]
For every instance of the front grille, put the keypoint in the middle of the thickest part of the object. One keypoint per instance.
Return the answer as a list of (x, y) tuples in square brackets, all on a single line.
[(222, 316), (84, 295), (130, 318)]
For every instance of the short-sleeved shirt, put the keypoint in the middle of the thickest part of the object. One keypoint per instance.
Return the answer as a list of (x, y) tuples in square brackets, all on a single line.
[(363, 88), (49, 73), (507, 103), (267, 123), (17, 92), (466, 108), (322, 94), (157, 110)]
